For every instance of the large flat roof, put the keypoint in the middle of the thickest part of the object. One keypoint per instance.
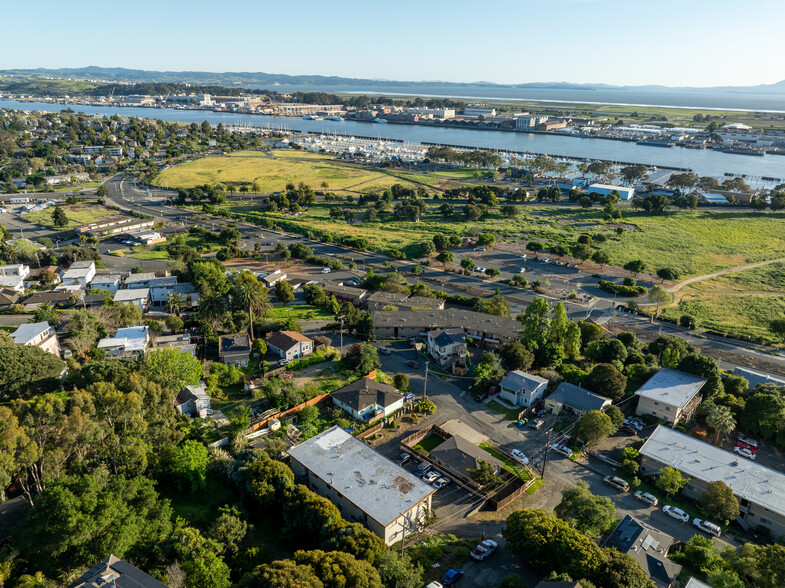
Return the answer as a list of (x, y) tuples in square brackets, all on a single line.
[(448, 318), (671, 387), (697, 459), (377, 486)]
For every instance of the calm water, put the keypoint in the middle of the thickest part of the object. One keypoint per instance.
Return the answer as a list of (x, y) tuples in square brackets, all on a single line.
[(704, 162)]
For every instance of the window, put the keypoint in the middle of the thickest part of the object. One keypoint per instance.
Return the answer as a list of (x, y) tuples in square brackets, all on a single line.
[(764, 521), (668, 408), (656, 404)]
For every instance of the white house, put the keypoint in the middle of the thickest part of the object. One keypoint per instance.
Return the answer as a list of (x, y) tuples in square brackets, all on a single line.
[(368, 400), (606, 189), (289, 344), (140, 297), (522, 389), (193, 400), (12, 283), (130, 341), (38, 334), (81, 273), (17, 269), (670, 395), (109, 282)]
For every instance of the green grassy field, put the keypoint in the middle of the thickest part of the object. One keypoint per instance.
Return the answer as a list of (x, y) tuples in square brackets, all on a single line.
[(78, 214), (300, 312)]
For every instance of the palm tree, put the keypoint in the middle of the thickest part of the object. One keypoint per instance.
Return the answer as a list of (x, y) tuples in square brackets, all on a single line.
[(720, 418), (211, 309), (175, 303), (251, 294)]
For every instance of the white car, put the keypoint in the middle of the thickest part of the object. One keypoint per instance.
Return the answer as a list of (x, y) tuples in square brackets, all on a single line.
[(441, 483), (283, 362), (676, 513), (326, 270), (434, 584), (635, 424), (479, 269), (563, 449), (484, 550), (707, 527), (748, 440), (646, 497), (522, 270), (479, 248), (431, 476), (745, 452), (523, 256), (518, 456)]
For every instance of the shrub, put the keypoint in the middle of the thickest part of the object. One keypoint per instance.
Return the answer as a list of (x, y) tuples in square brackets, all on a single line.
[(622, 290)]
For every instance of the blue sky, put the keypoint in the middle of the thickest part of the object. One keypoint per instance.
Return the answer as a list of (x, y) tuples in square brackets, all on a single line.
[(626, 42)]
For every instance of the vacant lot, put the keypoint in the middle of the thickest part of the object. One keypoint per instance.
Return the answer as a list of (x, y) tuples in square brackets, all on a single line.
[(78, 214)]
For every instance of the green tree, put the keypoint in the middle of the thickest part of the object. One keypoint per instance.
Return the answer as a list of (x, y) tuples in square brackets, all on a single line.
[(601, 257), (78, 519), (446, 257), (356, 540), (45, 313), (607, 381), (719, 503), (307, 514), (229, 528), (468, 264), (337, 569), (636, 266), (593, 427), (606, 351), (283, 573), (174, 323), (516, 356), (252, 295), (559, 324), (59, 218), (764, 414), (401, 382), (572, 341), (189, 465), (486, 239), (777, 326), (172, 368), (284, 291), (536, 326), (616, 416), (267, 480), (27, 369), (18, 452), (102, 192), (720, 418), (441, 242), (363, 357), (210, 279), (488, 370), (659, 295), (589, 514), (398, 571), (199, 558), (496, 305), (670, 480)]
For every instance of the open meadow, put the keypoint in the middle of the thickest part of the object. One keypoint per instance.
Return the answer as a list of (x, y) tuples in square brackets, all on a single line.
[(78, 214)]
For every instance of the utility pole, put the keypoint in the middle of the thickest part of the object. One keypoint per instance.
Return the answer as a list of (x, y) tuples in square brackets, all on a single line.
[(545, 459), (425, 386)]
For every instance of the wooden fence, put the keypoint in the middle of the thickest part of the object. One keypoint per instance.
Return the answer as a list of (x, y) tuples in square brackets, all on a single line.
[(286, 413)]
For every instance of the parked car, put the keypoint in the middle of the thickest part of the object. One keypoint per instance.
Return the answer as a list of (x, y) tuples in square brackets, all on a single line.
[(286, 375), (283, 362), (628, 431), (545, 259), (493, 390), (384, 351), (441, 482), (745, 452), (646, 497), (479, 269), (746, 446), (479, 248), (522, 270), (707, 527), (634, 423), (326, 270), (748, 440), (431, 476), (523, 256), (519, 456), (421, 468), (403, 458), (480, 396), (536, 424), (484, 550), (269, 244), (415, 365), (408, 397), (452, 576), (616, 482), (676, 513), (434, 584), (563, 449)]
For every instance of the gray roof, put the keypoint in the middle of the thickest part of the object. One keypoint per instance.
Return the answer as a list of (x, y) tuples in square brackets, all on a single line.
[(234, 343), (140, 277), (445, 338), (366, 392), (116, 573), (578, 398), (377, 486), (671, 387), (461, 455), (448, 318), (702, 461), (386, 297), (693, 583), (519, 380), (191, 393), (646, 545), (107, 278), (756, 378), (422, 302), (28, 332), (129, 295)]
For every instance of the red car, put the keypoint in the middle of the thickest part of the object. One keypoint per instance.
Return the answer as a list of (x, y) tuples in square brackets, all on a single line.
[(752, 448), (286, 376)]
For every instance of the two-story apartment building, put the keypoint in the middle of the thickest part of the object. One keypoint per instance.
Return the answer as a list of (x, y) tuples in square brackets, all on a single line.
[(18, 270), (127, 343), (80, 274), (759, 490), (366, 487), (670, 395), (38, 334)]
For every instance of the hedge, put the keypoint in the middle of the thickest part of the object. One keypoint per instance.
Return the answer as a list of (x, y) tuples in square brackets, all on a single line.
[(621, 289)]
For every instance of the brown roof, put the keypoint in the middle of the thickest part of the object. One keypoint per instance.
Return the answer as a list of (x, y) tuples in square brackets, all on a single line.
[(286, 339), (8, 296)]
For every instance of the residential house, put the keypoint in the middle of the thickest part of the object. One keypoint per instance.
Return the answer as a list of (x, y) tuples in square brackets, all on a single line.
[(366, 487), (649, 547), (109, 282), (367, 399), (270, 279), (670, 395), (81, 273), (19, 270), (345, 293), (289, 344), (37, 334), (447, 347), (8, 297), (193, 401), (234, 349), (522, 389), (487, 329), (571, 399), (140, 297), (15, 283), (461, 455), (756, 378), (127, 343), (760, 490), (113, 572), (180, 341), (59, 298)]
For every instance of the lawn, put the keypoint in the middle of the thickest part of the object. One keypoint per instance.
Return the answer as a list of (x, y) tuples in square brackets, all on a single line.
[(151, 255), (78, 214), (300, 312), (510, 413), (429, 443), (509, 465)]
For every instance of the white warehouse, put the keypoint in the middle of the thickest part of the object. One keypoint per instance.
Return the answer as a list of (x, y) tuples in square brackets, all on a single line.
[(605, 189)]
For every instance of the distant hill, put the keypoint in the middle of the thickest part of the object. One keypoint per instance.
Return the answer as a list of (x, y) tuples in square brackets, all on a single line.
[(258, 79)]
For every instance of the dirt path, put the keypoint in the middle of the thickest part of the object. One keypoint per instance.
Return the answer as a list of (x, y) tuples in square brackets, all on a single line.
[(733, 270), (353, 186)]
